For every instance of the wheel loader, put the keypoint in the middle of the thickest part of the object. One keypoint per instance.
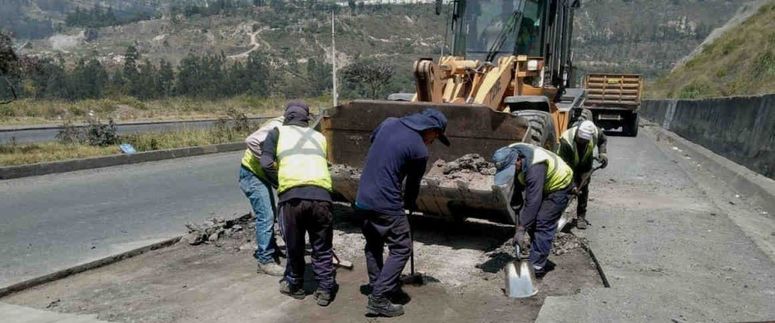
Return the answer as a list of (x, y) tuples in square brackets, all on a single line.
[(509, 78)]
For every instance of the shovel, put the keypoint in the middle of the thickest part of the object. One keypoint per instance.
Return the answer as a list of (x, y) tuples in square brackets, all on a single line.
[(414, 278), (520, 277), (566, 218)]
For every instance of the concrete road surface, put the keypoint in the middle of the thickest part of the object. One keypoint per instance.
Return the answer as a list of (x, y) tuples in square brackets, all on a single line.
[(56, 221)]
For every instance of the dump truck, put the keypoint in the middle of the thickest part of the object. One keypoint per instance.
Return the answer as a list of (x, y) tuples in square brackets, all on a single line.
[(509, 78), (614, 100)]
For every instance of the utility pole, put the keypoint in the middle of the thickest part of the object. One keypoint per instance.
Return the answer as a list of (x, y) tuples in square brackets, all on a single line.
[(333, 59)]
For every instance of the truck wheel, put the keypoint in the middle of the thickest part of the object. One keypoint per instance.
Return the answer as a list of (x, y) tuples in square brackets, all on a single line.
[(632, 125), (541, 128)]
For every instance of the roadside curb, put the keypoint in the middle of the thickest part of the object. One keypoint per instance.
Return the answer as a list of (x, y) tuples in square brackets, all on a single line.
[(747, 182), (40, 280), (130, 123), (10, 172)]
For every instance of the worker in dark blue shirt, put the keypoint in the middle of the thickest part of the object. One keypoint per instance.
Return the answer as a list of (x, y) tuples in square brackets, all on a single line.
[(398, 151)]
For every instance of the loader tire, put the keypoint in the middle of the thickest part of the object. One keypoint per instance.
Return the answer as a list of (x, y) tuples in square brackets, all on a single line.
[(541, 128), (586, 114)]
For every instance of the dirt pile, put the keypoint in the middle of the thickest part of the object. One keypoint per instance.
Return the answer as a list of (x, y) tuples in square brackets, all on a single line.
[(345, 171), (471, 169)]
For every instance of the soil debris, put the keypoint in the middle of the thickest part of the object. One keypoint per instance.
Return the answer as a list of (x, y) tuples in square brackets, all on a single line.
[(566, 242), (216, 228), (472, 170)]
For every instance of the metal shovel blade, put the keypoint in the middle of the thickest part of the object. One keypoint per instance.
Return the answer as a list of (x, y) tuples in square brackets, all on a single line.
[(520, 279)]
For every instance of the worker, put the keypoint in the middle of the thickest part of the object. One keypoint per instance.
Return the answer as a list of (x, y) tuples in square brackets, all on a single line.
[(255, 185), (399, 150), (293, 157), (576, 149), (546, 181)]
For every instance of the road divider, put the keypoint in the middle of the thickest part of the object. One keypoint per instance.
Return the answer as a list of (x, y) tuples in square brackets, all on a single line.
[(10, 172)]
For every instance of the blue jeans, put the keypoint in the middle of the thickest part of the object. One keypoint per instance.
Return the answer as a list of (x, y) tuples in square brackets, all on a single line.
[(262, 201)]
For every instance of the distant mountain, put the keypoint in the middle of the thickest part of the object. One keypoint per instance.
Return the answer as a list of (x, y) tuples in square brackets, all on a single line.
[(639, 36)]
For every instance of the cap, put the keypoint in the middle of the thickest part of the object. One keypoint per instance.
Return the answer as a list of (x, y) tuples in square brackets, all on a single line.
[(428, 119), (505, 159), (586, 130)]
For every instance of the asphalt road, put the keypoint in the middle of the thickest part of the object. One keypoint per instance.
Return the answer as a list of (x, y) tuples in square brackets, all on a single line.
[(49, 134), (56, 221)]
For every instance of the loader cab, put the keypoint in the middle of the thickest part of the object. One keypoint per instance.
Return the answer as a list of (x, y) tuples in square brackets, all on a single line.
[(498, 28), (488, 29)]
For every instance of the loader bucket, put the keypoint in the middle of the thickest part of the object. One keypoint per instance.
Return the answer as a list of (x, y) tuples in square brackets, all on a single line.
[(470, 129)]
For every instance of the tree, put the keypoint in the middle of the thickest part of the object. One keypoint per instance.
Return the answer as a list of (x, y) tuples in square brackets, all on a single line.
[(165, 79), (8, 68), (367, 78)]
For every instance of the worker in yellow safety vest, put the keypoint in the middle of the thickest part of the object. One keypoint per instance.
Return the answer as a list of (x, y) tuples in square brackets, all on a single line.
[(576, 149), (546, 181), (293, 157), (258, 190)]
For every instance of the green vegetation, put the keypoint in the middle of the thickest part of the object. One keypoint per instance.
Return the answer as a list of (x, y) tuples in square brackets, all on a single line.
[(100, 139), (740, 62), (20, 154), (123, 109)]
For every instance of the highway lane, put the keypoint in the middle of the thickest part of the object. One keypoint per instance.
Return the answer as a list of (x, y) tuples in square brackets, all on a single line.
[(56, 221)]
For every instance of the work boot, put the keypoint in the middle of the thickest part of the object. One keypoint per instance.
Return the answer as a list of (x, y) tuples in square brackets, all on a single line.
[(270, 268), (293, 291), (323, 297), (581, 221), (379, 305)]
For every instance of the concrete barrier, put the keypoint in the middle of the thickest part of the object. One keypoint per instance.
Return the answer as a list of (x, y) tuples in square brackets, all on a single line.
[(741, 129), (113, 160)]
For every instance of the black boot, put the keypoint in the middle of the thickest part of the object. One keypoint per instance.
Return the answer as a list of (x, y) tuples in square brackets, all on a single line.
[(581, 221), (380, 305)]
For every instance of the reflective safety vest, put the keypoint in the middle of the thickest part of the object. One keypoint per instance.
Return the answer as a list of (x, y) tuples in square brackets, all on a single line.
[(301, 156), (569, 136), (558, 174), (252, 163)]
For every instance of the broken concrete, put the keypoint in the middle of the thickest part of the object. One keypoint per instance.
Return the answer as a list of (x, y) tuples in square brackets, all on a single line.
[(472, 170)]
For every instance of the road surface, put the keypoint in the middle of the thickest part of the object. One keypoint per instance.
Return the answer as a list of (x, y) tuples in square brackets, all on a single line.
[(55, 221), (675, 244)]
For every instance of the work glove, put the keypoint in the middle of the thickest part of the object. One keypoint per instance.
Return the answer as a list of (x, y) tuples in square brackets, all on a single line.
[(521, 240), (603, 159)]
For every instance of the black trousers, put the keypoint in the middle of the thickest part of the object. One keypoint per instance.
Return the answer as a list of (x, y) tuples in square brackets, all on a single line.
[(302, 217), (379, 230)]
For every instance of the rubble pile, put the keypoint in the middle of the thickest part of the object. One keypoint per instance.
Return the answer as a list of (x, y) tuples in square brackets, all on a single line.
[(216, 228), (344, 170), (565, 242), (471, 169)]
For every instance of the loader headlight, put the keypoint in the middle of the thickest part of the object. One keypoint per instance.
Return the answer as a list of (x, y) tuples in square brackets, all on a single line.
[(532, 65)]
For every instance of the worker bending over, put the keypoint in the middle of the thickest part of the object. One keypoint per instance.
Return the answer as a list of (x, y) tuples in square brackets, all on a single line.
[(258, 190), (294, 159), (398, 151), (546, 181), (576, 149)]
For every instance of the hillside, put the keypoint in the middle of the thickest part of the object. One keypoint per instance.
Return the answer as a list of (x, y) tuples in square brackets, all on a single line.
[(644, 36), (639, 36), (739, 62)]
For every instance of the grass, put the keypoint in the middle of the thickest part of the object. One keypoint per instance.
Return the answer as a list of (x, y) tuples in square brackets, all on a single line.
[(124, 109), (19, 154), (740, 62)]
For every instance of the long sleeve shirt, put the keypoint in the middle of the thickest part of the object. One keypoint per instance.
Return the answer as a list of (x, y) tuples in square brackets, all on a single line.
[(397, 153)]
